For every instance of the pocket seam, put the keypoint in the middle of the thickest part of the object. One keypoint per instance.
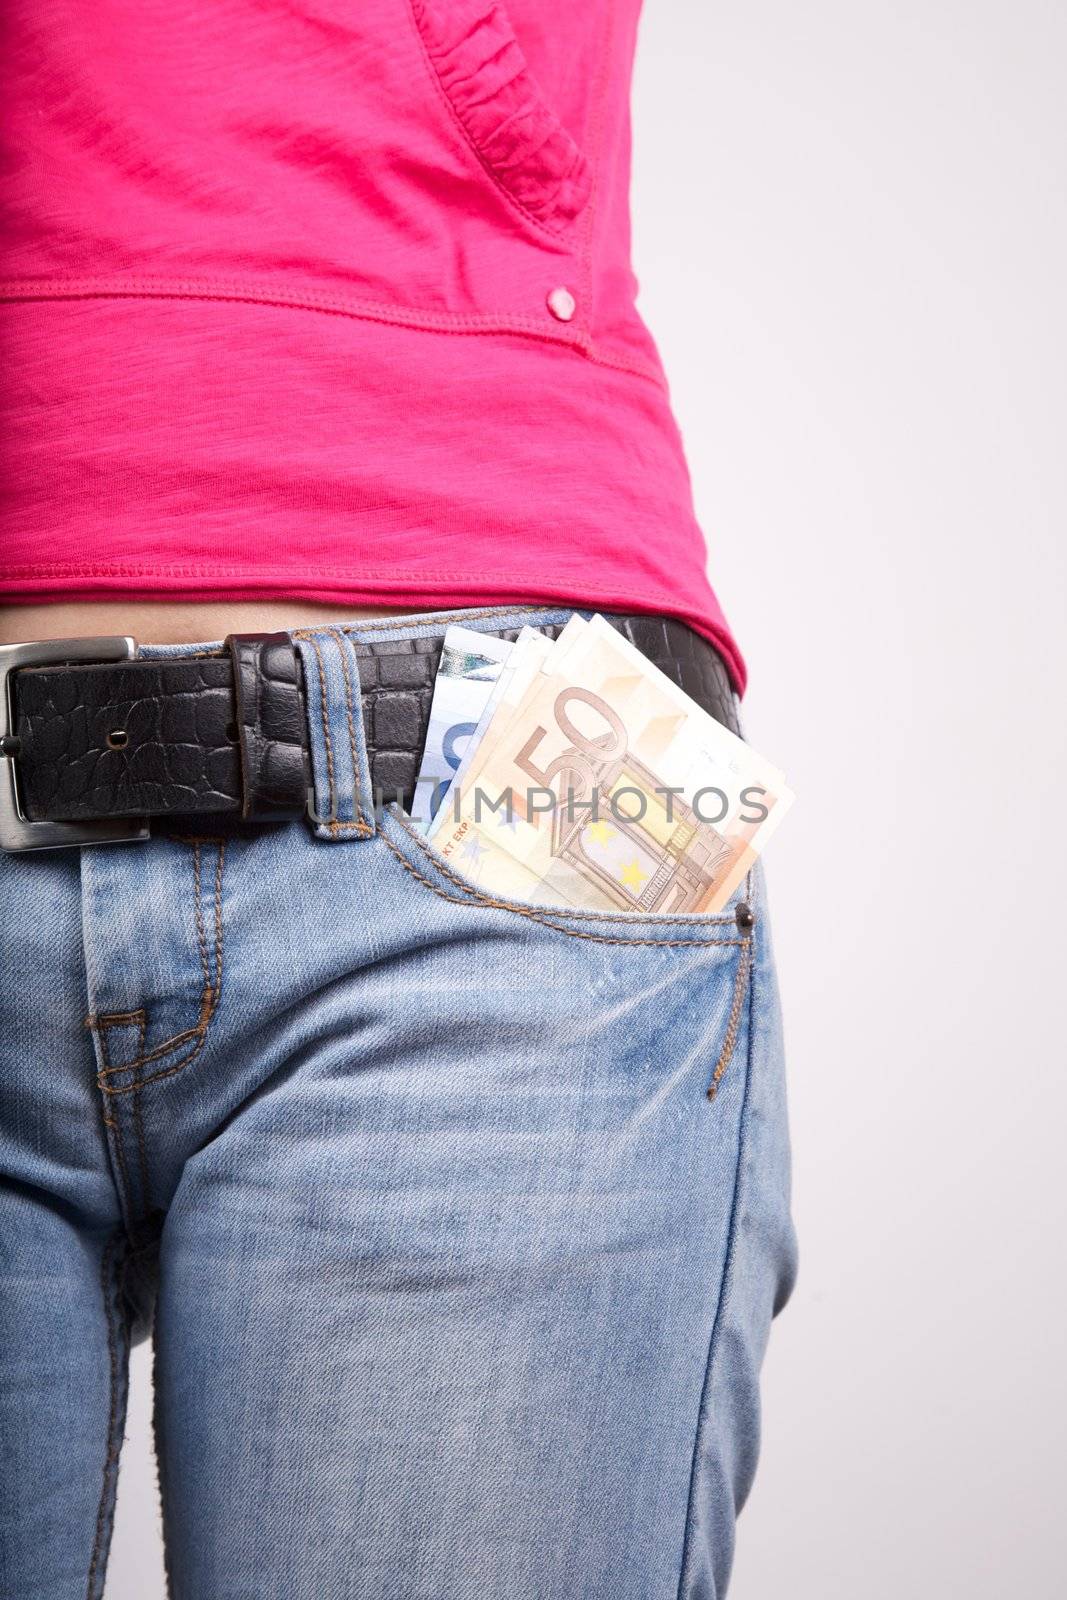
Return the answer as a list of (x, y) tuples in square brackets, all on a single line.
[(546, 918), (555, 232), (742, 982), (196, 1036)]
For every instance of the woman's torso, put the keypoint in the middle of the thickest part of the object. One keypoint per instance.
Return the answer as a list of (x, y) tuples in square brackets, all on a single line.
[(332, 306)]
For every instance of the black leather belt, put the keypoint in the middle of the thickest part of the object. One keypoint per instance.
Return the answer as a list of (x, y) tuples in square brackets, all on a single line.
[(98, 741)]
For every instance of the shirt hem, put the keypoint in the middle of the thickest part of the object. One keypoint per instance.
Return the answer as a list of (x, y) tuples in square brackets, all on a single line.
[(59, 582)]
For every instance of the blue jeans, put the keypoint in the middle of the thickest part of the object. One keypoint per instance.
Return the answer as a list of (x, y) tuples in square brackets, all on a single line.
[(459, 1278)]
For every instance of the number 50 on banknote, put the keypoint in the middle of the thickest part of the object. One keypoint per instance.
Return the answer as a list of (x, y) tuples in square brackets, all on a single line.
[(593, 781)]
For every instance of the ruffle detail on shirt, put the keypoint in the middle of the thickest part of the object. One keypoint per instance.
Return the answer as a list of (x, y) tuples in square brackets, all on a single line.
[(496, 99)]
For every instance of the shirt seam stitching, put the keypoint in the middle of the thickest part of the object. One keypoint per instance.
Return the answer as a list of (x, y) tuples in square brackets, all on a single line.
[(238, 291)]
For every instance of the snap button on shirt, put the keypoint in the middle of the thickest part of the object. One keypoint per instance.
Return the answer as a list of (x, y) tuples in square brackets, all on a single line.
[(561, 303)]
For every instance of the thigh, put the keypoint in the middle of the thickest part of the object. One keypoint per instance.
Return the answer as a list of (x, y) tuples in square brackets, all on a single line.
[(62, 1318), (468, 1295), (63, 1362)]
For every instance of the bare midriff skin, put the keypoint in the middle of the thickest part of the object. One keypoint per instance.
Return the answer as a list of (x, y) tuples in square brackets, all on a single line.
[(168, 621)]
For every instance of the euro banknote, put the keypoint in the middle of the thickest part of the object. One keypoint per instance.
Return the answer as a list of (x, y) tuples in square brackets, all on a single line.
[(594, 781), (469, 668)]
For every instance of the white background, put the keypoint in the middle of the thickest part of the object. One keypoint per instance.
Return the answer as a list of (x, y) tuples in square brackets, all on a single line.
[(851, 232)]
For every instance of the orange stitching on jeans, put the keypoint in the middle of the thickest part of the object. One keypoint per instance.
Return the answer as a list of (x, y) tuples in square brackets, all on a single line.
[(167, 1048), (115, 1019), (201, 934), (189, 838), (733, 1024), (535, 916), (591, 916), (218, 923), (154, 1077), (138, 1125), (121, 1170), (209, 998), (332, 823), (310, 637)]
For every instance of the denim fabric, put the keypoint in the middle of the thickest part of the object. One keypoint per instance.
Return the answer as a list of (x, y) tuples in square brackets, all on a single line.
[(459, 1279)]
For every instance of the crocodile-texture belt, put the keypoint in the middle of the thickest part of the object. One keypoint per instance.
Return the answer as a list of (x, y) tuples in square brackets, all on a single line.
[(96, 736)]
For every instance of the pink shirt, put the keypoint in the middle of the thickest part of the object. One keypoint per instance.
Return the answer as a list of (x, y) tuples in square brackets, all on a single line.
[(332, 299)]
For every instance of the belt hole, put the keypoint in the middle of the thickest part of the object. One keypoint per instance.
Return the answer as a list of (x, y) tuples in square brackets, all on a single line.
[(232, 732), (118, 738)]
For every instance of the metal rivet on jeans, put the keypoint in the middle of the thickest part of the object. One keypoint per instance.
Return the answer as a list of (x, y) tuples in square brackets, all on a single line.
[(745, 917)]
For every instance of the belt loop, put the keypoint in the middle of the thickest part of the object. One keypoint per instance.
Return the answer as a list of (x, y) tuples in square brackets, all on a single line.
[(344, 804)]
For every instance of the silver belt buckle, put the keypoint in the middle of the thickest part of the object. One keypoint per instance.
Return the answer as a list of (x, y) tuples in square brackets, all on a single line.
[(17, 831)]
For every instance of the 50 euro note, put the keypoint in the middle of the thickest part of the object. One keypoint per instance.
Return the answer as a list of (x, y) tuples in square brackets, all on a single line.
[(597, 782)]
